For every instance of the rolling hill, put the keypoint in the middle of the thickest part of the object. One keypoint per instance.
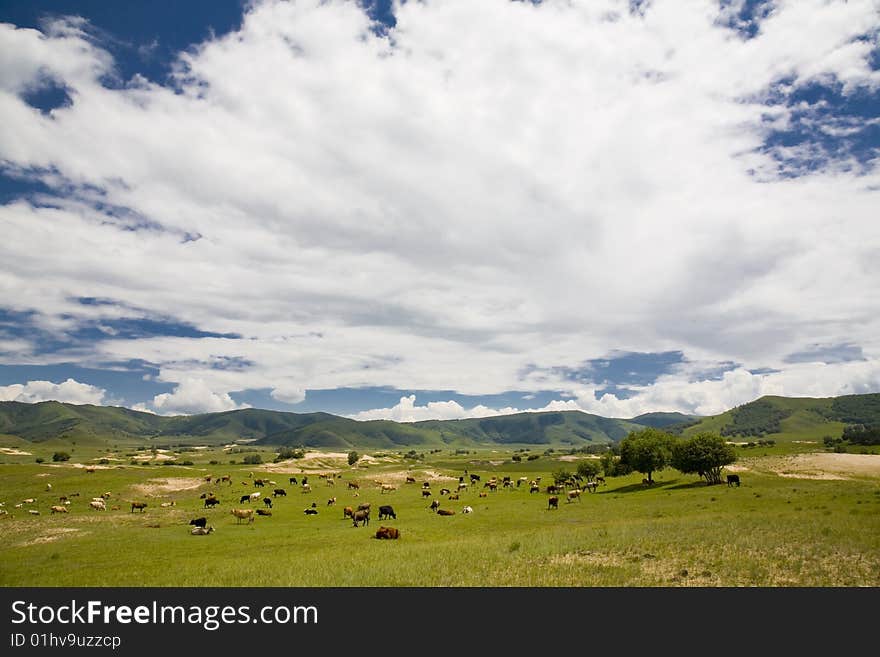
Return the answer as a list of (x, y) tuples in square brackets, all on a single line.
[(780, 418)]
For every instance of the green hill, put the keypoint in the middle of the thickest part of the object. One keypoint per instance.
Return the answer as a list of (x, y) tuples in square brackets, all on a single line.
[(780, 418)]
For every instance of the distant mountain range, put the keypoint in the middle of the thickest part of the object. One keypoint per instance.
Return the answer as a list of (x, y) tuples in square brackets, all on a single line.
[(782, 418)]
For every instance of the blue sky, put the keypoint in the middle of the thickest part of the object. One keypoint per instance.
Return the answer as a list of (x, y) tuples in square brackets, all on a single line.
[(438, 210)]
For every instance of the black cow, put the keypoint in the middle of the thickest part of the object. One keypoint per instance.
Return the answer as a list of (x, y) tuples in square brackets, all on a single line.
[(210, 502), (267, 501), (386, 512), (199, 522), (475, 478), (279, 492), (733, 479), (244, 498), (293, 481), (259, 482)]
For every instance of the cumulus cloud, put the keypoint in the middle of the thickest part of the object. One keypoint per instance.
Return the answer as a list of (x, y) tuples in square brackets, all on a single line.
[(406, 410), (193, 396), (480, 196), (70, 391)]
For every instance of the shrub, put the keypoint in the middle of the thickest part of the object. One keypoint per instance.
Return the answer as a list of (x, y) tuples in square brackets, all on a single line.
[(39, 459), (353, 457), (60, 456), (252, 459)]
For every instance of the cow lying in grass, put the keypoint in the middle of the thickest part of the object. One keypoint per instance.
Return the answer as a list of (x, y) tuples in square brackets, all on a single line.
[(388, 532)]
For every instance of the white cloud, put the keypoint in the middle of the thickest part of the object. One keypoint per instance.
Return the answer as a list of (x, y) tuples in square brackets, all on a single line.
[(193, 396), (69, 391), (493, 190), (406, 410)]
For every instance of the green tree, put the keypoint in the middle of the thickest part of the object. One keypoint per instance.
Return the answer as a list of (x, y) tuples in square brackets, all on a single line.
[(647, 451), (589, 469), (353, 457), (704, 454), (252, 459), (61, 456), (611, 465)]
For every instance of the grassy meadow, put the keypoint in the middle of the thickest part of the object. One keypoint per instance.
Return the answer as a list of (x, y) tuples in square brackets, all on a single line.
[(778, 529)]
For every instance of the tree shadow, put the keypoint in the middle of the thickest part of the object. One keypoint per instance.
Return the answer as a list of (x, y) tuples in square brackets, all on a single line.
[(639, 488), (699, 483)]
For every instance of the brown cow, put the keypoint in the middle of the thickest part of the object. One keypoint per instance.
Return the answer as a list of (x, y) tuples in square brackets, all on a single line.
[(140, 506), (243, 514), (347, 512), (388, 532), (59, 509), (362, 516), (445, 512), (574, 495), (553, 503)]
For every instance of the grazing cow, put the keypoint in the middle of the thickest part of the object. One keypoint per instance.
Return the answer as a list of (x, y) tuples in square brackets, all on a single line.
[(98, 506), (199, 522), (553, 503), (445, 491), (462, 486), (306, 488), (483, 494), (362, 516), (268, 502), (426, 485), (388, 488), (211, 502), (574, 495), (445, 512), (279, 492), (353, 485), (426, 493), (454, 496), (59, 509), (364, 506), (201, 531), (435, 505), (292, 481), (388, 532), (227, 479), (165, 505), (534, 489), (310, 511), (243, 514), (331, 501), (264, 512), (331, 482), (591, 486), (140, 506), (386, 511), (475, 478), (410, 480), (468, 509), (347, 512), (244, 498), (552, 490), (259, 482), (600, 480), (33, 512), (733, 479), (255, 496)]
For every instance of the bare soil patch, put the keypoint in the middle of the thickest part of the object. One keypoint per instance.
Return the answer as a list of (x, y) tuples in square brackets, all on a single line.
[(51, 535), (158, 487), (825, 466)]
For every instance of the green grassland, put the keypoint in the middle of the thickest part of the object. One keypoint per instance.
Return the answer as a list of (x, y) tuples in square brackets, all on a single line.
[(771, 531)]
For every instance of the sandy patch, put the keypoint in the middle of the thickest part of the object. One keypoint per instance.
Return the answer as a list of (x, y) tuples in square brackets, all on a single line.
[(14, 452), (399, 477), (825, 466), (51, 536), (157, 487)]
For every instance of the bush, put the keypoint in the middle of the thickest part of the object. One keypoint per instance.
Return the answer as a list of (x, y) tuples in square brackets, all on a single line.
[(516, 457), (353, 457), (60, 456), (104, 461), (39, 459), (252, 459), (532, 457), (290, 453)]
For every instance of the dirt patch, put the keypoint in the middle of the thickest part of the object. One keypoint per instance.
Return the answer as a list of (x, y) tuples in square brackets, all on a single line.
[(14, 452), (51, 536), (399, 477), (158, 487), (825, 466)]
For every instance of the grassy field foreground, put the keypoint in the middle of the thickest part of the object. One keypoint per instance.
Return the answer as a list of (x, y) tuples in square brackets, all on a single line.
[(777, 529)]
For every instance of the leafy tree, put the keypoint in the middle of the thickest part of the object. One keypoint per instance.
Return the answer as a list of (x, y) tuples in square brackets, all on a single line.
[(561, 476), (61, 456), (646, 451), (612, 467), (589, 469), (353, 457), (252, 459), (704, 454)]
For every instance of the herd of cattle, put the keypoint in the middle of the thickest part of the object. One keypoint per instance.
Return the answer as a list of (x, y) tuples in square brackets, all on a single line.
[(359, 514)]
